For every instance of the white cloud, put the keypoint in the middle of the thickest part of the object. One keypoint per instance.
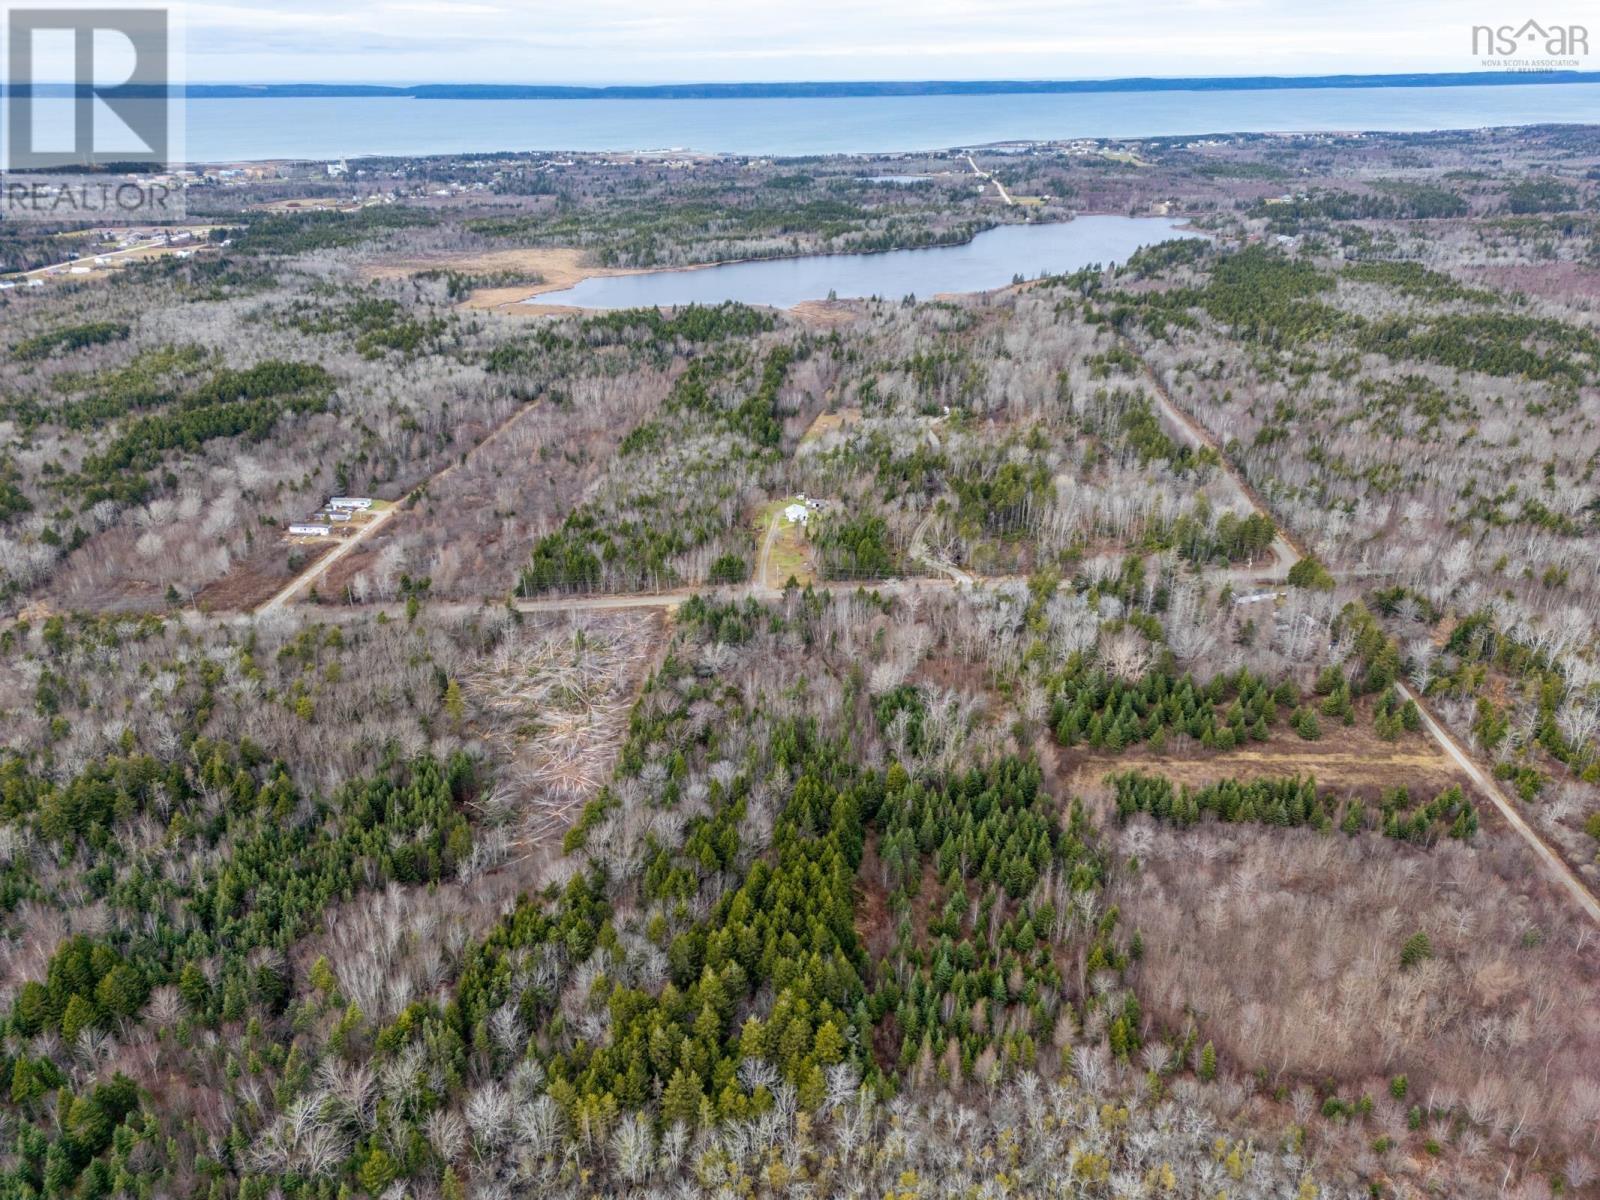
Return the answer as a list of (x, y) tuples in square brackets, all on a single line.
[(627, 41)]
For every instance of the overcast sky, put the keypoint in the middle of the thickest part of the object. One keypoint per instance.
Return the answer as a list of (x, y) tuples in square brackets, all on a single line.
[(634, 41)]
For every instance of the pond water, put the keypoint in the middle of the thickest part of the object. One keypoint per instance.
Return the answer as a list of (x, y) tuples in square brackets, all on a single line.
[(990, 260)]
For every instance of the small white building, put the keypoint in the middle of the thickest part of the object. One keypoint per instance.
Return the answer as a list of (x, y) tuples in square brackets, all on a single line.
[(796, 514), (353, 503), (309, 530)]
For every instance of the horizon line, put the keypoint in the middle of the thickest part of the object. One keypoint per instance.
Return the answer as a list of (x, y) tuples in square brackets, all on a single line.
[(833, 89)]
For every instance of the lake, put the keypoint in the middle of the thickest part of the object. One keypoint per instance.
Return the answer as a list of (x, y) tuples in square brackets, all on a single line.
[(990, 260), (253, 129)]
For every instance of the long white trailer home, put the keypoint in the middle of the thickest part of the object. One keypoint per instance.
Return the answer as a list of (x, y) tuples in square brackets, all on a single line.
[(351, 502)]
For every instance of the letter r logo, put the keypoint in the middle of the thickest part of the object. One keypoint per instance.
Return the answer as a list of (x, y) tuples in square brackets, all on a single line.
[(86, 87)]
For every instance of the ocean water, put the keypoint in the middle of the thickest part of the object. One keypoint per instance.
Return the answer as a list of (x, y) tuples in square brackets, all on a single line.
[(990, 260), (241, 130)]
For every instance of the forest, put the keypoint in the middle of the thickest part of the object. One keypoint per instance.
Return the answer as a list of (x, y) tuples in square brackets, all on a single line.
[(1134, 732)]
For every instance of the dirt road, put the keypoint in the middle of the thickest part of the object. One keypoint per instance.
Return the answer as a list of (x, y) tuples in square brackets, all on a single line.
[(667, 600), (988, 178), (1287, 555), (1555, 867), (318, 569), (763, 583), (1197, 437), (98, 260), (920, 553)]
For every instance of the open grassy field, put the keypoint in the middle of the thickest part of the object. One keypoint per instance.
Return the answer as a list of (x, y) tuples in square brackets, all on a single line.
[(785, 549)]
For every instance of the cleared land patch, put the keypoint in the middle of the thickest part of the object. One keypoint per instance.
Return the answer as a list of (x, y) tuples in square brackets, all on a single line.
[(785, 549), (1351, 760)]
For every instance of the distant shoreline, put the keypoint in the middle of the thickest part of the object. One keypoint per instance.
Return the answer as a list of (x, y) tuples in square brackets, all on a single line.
[(858, 89)]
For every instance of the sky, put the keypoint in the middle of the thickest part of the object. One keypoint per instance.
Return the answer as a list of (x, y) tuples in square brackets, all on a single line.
[(632, 41)]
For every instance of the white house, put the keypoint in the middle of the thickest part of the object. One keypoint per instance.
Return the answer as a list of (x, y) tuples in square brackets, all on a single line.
[(351, 502), (307, 530)]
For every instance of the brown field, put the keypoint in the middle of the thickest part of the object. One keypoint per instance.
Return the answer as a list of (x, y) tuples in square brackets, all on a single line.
[(824, 314), (560, 266), (548, 269), (321, 203), (1350, 760), (828, 422), (256, 579)]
